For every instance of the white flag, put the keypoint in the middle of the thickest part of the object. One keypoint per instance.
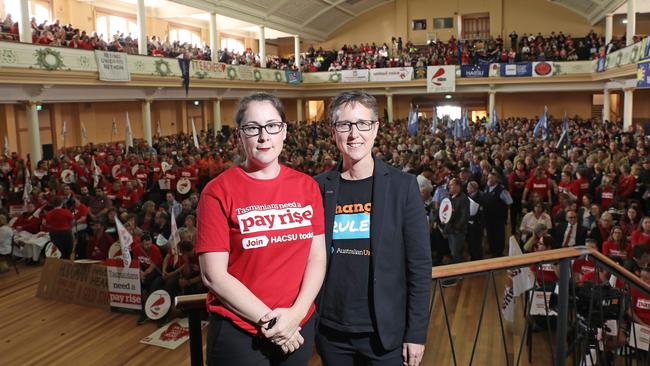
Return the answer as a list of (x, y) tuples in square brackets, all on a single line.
[(7, 150), (522, 278), (129, 133), (96, 172), (173, 237), (63, 132), (28, 187), (508, 305), (158, 129), (84, 133), (125, 242), (196, 140)]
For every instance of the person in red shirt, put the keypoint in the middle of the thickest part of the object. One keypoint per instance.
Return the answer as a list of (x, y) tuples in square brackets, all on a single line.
[(626, 183), (641, 236), (539, 183), (27, 221), (99, 243), (59, 224), (261, 247), (150, 262), (640, 302), (616, 246)]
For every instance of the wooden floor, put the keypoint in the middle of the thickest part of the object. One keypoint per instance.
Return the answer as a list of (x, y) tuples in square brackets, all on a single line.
[(35, 331)]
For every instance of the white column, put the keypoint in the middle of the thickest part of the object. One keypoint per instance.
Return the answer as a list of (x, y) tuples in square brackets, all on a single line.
[(33, 134), (216, 115), (262, 47), (296, 50), (299, 110), (142, 29), (606, 106), (214, 46), (389, 107), (146, 121), (459, 25), (631, 22), (491, 100), (609, 27), (627, 108), (24, 26)]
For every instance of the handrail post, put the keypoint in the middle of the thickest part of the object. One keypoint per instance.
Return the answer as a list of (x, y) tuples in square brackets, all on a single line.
[(563, 313), (196, 341)]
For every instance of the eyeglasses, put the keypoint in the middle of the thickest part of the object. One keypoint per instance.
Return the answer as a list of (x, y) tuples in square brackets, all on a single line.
[(346, 126), (253, 129)]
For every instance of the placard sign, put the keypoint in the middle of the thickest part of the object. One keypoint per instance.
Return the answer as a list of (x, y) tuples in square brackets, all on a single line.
[(124, 285), (77, 283)]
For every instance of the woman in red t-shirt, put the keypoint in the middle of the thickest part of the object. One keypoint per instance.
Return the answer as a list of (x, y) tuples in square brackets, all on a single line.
[(641, 236), (616, 246), (261, 247)]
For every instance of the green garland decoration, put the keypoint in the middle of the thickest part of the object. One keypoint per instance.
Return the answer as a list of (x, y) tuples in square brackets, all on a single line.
[(634, 54), (257, 74), (335, 77), (201, 74), (9, 57), (231, 72), (162, 68), (49, 59), (619, 58), (278, 76)]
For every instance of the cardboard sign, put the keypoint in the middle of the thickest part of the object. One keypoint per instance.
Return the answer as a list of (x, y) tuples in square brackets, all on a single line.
[(112, 66), (77, 283), (171, 335), (123, 285), (540, 303), (639, 337), (441, 79)]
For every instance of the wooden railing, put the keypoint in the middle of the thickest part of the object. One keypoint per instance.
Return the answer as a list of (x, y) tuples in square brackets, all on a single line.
[(195, 304)]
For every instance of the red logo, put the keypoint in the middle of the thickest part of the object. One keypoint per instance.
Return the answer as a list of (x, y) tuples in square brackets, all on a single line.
[(543, 69), (174, 332), (437, 76)]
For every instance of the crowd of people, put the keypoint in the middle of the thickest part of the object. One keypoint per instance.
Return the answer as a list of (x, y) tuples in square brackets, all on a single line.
[(527, 47)]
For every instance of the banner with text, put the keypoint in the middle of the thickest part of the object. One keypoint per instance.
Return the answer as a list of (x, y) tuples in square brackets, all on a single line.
[(543, 69), (124, 286), (517, 69), (355, 76), (293, 77), (441, 79), (76, 283), (112, 66), (391, 74), (475, 71)]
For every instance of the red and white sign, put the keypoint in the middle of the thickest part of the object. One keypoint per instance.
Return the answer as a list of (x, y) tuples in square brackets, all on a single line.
[(158, 304), (441, 79), (124, 285), (445, 211), (391, 74), (543, 69), (171, 335), (280, 219), (183, 185), (639, 337), (51, 251)]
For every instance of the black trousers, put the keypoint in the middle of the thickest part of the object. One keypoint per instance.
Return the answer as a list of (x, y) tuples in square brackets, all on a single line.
[(228, 345), (354, 349), (496, 235), (475, 240), (64, 241), (515, 214)]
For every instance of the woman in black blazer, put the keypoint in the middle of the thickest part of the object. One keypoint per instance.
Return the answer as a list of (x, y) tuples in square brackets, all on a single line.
[(374, 302)]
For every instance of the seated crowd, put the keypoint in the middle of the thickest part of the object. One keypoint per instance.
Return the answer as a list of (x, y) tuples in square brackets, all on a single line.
[(555, 47)]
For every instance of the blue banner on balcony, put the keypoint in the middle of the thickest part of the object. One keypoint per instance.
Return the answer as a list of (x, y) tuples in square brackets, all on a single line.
[(646, 48), (600, 64), (293, 77), (474, 71), (643, 74), (518, 69)]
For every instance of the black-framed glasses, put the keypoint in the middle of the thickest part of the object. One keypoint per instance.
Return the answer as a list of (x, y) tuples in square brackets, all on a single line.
[(253, 129), (346, 126)]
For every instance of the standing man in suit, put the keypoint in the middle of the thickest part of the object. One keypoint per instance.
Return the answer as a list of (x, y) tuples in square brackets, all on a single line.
[(569, 233), (374, 302), (497, 199)]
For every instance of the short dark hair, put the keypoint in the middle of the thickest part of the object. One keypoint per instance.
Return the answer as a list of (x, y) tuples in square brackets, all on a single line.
[(349, 98), (242, 106)]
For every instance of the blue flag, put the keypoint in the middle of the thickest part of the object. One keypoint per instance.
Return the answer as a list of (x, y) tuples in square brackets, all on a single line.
[(434, 121), (450, 127), (542, 124), (564, 137), (493, 122), (412, 127), (458, 129)]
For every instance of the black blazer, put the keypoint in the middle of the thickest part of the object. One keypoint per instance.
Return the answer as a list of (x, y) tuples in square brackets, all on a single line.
[(581, 234), (401, 254)]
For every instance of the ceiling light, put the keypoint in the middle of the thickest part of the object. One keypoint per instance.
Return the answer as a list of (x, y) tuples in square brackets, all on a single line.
[(624, 21), (448, 96)]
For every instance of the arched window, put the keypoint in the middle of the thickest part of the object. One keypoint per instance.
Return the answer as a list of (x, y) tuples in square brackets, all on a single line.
[(232, 45), (109, 23), (185, 34)]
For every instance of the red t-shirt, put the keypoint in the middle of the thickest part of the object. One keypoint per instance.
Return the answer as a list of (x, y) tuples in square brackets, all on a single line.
[(641, 305), (639, 238), (267, 227), (541, 186), (98, 247), (582, 266), (613, 249), (146, 258), (59, 219)]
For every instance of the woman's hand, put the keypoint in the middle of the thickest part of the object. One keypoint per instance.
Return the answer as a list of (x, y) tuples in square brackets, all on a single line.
[(294, 343), (287, 323)]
